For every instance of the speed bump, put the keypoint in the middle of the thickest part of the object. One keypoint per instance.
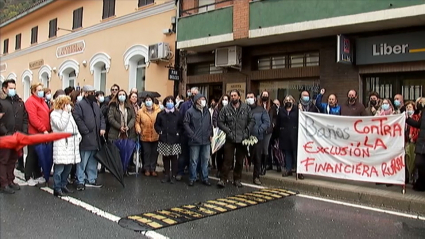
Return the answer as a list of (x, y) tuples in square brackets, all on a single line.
[(173, 216)]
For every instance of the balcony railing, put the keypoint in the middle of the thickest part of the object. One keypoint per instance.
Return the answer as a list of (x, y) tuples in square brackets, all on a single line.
[(205, 8)]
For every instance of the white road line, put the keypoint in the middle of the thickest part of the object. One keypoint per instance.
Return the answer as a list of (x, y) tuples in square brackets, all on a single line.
[(363, 207), (101, 213)]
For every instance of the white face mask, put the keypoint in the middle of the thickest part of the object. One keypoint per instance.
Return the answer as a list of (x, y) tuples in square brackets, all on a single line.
[(250, 101), (203, 103), (225, 102)]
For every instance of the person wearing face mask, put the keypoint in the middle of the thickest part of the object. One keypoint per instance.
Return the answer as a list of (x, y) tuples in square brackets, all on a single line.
[(66, 152), (237, 121), (13, 118), (411, 136), (374, 103), (262, 123), (169, 126), (179, 101), (287, 123), (145, 122), (352, 107), (38, 123), (266, 157), (306, 103), (198, 127), (385, 109), (184, 158), (331, 108), (420, 105), (217, 157), (91, 124), (399, 104), (48, 97)]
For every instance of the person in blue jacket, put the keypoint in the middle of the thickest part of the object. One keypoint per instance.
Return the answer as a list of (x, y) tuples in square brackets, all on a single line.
[(331, 108)]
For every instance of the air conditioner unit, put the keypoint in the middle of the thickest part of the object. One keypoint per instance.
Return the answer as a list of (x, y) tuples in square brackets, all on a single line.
[(228, 57), (159, 51)]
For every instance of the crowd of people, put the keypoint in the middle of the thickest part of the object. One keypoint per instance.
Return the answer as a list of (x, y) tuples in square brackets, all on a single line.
[(180, 131)]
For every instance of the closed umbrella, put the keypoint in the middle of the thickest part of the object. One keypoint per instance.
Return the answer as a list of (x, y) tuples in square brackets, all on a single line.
[(277, 154), (44, 153), (109, 156), (137, 157), (19, 140), (218, 140), (126, 148)]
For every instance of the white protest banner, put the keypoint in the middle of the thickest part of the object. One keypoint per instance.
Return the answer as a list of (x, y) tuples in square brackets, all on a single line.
[(367, 149)]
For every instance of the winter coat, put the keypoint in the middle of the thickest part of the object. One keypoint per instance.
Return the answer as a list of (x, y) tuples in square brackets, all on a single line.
[(15, 116), (309, 107), (38, 115), (325, 108), (369, 108), (236, 123), (272, 115), (145, 122), (419, 124), (65, 151), (197, 125), (356, 109), (169, 126), (287, 123), (90, 121), (262, 122), (114, 119)]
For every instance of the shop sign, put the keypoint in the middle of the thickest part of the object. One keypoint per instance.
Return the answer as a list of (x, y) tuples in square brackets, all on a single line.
[(391, 48), (344, 50), (3, 67), (36, 64), (71, 49), (174, 74), (241, 87)]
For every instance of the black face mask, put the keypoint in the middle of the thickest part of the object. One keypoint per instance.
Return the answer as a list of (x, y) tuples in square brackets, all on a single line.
[(235, 102), (352, 99), (212, 105), (92, 98), (288, 104), (373, 102), (265, 98)]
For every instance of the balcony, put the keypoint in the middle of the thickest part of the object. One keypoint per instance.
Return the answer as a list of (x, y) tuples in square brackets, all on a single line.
[(205, 25)]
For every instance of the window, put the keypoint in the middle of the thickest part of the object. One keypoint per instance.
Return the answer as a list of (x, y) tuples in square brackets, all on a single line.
[(6, 46), (215, 70), (140, 75), (297, 61), (34, 35), (264, 63), (204, 5), (312, 59), (278, 62), (18, 41), (203, 69), (71, 78), (108, 8), (303, 60), (77, 18), (103, 78), (275, 62), (145, 2), (53, 27)]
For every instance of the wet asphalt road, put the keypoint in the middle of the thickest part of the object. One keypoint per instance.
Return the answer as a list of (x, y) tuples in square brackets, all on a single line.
[(33, 213)]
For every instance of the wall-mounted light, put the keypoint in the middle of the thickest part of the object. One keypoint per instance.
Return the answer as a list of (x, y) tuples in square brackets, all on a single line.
[(84, 63), (54, 69)]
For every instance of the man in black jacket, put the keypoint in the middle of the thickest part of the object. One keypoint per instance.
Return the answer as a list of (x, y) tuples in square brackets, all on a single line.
[(237, 121), (14, 118)]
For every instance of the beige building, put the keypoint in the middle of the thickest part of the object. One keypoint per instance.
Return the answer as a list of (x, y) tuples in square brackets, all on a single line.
[(75, 43)]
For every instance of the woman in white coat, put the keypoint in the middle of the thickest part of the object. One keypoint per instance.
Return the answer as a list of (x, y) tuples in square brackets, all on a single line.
[(66, 152)]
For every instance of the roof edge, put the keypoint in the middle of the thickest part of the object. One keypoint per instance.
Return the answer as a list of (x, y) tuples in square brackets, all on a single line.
[(26, 12)]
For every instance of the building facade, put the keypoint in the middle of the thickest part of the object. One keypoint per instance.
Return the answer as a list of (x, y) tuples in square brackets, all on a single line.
[(287, 46), (75, 43)]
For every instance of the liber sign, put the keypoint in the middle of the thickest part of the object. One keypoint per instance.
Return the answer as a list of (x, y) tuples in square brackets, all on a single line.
[(391, 48)]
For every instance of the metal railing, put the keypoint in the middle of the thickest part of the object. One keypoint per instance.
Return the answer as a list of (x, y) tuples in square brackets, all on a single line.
[(205, 8)]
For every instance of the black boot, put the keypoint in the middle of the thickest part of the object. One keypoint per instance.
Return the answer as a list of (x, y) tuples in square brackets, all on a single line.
[(263, 165)]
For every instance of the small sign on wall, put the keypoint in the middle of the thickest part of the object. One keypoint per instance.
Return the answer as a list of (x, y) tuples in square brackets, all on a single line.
[(36, 64), (3, 67), (174, 74), (241, 87), (344, 50), (71, 49)]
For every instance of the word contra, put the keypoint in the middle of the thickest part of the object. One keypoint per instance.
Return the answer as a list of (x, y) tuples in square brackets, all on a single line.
[(381, 128)]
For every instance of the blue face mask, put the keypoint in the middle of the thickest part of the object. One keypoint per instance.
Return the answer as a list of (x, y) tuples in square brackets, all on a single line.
[(385, 106), (397, 103), (79, 98), (306, 98), (11, 92), (121, 98), (40, 94), (148, 103), (170, 105)]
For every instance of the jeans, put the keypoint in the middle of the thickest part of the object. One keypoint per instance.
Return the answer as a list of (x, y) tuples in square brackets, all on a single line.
[(88, 165), (199, 153), (290, 159), (60, 176)]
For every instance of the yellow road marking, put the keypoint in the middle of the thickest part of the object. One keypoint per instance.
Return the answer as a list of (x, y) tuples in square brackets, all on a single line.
[(223, 204), (162, 218), (232, 201), (220, 209), (244, 200), (268, 194), (173, 214), (277, 192), (187, 212), (204, 210), (257, 199), (146, 221), (259, 195)]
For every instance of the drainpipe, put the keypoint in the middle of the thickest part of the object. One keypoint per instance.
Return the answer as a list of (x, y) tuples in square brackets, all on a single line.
[(177, 53)]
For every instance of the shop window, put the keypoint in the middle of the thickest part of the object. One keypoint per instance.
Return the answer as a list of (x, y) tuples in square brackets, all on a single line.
[(77, 21), (18, 41), (108, 8), (203, 69), (145, 2), (53, 27), (206, 5), (140, 75), (411, 86), (6, 46), (34, 35)]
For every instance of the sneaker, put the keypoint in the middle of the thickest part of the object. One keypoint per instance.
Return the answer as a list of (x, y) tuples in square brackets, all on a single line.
[(81, 187), (14, 186), (257, 181), (94, 185), (237, 184), (221, 184), (41, 180), (179, 177), (31, 182), (7, 190)]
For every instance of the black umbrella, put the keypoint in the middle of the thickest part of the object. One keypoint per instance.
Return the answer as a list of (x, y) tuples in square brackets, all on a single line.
[(109, 156), (152, 94)]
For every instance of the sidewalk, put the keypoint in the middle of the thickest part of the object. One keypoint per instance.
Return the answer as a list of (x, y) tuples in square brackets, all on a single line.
[(362, 193)]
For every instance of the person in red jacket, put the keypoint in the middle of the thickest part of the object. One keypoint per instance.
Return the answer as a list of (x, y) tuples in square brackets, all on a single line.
[(38, 123)]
